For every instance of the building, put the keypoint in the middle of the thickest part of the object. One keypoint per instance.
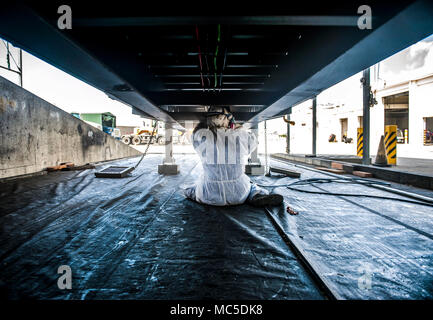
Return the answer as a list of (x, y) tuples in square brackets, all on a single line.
[(402, 86), (409, 105)]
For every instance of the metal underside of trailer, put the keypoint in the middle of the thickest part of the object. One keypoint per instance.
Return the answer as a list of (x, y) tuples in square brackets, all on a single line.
[(176, 60)]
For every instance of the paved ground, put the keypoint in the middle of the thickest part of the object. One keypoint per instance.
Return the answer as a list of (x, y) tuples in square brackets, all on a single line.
[(422, 166), (413, 165), (139, 238)]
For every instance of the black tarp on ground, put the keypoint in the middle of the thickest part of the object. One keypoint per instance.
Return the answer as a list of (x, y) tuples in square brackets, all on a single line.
[(139, 238), (365, 248)]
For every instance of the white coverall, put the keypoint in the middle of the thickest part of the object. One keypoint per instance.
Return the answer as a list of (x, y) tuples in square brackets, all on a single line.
[(223, 158)]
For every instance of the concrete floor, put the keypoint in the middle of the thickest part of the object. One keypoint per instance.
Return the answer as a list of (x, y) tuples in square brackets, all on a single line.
[(414, 165), (139, 238)]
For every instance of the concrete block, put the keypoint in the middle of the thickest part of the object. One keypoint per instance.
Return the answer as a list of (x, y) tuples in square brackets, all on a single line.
[(337, 165), (168, 169), (336, 171), (254, 170), (36, 135), (362, 174), (316, 162), (325, 163), (287, 172)]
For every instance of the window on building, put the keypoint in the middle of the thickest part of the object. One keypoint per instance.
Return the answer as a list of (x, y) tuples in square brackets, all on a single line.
[(397, 113), (428, 131)]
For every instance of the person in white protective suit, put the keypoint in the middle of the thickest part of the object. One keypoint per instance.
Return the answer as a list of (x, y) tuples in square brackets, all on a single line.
[(223, 147)]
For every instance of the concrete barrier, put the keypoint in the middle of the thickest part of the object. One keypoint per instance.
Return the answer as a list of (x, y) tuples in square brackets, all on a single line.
[(388, 174), (35, 134)]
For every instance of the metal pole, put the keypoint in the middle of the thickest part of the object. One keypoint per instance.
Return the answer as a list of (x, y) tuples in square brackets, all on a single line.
[(314, 125), (7, 55), (366, 115), (21, 68), (288, 135)]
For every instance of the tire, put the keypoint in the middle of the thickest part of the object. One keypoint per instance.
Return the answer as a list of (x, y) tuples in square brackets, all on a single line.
[(161, 141), (136, 140), (126, 140)]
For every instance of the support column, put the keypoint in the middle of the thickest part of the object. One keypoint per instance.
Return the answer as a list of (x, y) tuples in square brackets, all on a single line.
[(21, 68), (314, 131), (254, 167), (366, 116), (288, 135), (168, 166), (254, 154)]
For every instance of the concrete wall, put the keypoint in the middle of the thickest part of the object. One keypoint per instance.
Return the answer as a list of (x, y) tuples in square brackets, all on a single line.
[(328, 122), (35, 134)]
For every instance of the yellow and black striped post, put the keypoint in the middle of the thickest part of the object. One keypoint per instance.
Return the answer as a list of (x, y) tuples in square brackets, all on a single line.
[(360, 142), (391, 144)]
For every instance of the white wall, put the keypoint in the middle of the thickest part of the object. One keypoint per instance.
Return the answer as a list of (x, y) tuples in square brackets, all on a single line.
[(329, 115), (420, 106)]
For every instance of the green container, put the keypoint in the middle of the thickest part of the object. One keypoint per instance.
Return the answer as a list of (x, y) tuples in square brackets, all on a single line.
[(106, 119)]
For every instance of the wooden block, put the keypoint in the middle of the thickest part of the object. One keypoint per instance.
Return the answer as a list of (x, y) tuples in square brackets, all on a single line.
[(67, 164), (362, 174), (337, 171), (336, 165), (56, 168), (287, 172)]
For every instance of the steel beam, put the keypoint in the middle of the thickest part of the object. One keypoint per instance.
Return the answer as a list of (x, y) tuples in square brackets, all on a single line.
[(23, 28), (413, 23), (179, 116), (223, 98), (304, 20)]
